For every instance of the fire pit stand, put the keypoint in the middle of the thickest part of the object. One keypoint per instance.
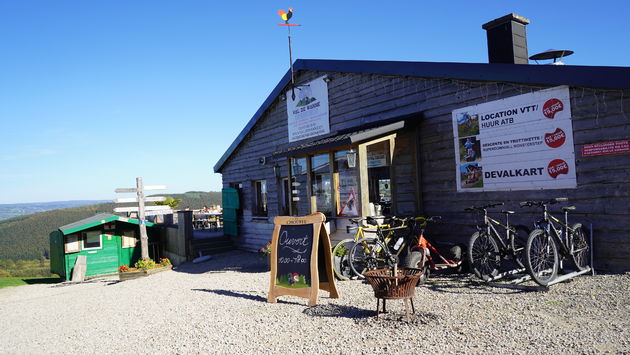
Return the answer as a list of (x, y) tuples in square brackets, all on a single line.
[(389, 287)]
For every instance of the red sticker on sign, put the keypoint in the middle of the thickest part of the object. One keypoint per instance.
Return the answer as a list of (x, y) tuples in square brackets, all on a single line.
[(557, 167), (551, 107), (555, 139)]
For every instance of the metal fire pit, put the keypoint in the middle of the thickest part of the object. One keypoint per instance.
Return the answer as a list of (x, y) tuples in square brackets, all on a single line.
[(389, 287)]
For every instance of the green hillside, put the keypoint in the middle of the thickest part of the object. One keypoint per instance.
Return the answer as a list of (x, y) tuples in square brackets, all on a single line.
[(26, 237)]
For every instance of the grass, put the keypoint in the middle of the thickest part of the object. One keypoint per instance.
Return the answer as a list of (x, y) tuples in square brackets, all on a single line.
[(21, 281)]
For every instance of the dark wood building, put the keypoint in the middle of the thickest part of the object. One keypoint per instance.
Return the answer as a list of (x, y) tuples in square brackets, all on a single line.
[(390, 144)]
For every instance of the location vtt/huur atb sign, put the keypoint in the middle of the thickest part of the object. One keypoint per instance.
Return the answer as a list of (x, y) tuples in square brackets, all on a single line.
[(523, 142)]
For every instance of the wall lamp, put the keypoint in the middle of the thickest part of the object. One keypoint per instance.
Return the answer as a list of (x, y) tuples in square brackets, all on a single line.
[(351, 156), (328, 79)]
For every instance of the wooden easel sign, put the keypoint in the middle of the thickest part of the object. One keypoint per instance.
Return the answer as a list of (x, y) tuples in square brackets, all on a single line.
[(301, 259)]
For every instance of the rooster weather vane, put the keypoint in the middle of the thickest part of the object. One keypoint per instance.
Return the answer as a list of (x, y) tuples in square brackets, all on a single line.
[(286, 16)]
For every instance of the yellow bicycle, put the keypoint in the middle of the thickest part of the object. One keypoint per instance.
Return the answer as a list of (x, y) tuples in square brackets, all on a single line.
[(368, 249)]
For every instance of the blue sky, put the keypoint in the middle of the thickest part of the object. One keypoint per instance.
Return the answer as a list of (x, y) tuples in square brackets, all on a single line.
[(95, 93)]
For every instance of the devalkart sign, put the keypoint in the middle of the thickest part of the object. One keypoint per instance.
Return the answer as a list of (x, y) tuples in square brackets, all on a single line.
[(523, 142), (308, 113)]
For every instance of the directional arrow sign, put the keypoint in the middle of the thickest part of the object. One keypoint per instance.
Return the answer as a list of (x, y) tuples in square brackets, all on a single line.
[(155, 187), (154, 213), (126, 190), (135, 199), (146, 208)]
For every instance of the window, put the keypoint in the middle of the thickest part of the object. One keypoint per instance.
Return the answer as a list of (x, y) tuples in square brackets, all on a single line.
[(348, 198), (321, 184), (345, 182), (129, 239), (92, 240), (299, 193), (72, 243), (260, 188)]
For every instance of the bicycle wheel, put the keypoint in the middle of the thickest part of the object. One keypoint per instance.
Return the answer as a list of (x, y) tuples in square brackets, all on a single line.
[(483, 256), (367, 254), (541, 257), (416, 260), (580, 253), (517, 243), (341, 259)]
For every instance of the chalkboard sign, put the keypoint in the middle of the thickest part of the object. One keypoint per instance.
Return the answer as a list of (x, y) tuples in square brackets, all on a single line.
[(301, 259)]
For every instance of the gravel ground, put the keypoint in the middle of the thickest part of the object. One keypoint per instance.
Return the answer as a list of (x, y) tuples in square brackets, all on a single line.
[(220, 307)]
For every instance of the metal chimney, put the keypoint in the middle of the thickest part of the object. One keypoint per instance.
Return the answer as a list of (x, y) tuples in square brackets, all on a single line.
[(507, 39)]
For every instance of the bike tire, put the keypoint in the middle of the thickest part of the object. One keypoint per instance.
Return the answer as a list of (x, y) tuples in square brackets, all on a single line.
[(483, 256), (580, 254), (367, 254), (416, 260), (341, 263), (517, 243), (541, 257)]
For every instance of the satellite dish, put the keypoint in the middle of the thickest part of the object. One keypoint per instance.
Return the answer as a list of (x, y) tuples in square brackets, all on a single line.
[(555, 54)]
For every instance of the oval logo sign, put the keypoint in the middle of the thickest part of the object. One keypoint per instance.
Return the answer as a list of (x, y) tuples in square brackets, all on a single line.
[(555, 139), (551, 107), (557, 167)]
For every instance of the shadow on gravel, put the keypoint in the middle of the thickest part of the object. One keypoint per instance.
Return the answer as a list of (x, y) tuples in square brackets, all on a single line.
[(394, 319), (47, 280), (468, 286), (237, 261), (247, 296), (107, 282), (335, 310), (366, 316)]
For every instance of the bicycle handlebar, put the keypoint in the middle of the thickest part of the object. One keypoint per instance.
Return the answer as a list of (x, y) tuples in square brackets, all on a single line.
[(374, 223), (543, 203), (483, 208)]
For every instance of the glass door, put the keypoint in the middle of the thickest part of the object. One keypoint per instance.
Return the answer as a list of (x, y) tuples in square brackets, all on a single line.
[(379, 180)]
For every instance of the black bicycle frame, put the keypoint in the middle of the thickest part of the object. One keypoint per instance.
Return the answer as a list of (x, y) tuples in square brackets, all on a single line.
[(549, 220), (489, 227)]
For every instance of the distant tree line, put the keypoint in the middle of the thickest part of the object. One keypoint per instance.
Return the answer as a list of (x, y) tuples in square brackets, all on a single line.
[(26, 237), (25, 268)]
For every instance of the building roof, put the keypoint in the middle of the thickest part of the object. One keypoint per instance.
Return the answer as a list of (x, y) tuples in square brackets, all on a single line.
[(96, 220), (572, 75)]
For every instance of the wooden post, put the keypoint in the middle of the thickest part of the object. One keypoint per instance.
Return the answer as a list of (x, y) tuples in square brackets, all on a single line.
[(144, 240)]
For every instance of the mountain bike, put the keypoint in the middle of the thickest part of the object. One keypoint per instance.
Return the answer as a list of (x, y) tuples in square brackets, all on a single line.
[(364, 227), (380, 251), (552, 242), (425, 256), (487, 248)]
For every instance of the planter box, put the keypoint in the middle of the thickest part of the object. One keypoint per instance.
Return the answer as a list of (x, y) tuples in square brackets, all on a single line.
[(130, 275)]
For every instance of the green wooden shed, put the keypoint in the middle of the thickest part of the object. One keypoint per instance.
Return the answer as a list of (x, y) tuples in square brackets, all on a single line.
[(107, 241)]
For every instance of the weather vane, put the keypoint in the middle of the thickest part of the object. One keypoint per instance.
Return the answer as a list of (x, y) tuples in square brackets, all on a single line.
[(286, 16)]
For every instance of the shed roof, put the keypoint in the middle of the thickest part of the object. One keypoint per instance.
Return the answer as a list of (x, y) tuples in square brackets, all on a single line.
[(572, 75), (96, 220)]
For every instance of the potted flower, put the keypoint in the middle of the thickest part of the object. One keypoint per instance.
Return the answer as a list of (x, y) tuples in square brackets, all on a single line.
[(143, 267), (266, 254)]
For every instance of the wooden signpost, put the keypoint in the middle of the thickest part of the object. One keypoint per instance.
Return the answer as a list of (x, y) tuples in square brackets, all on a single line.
[(301, 259), (141, 199)]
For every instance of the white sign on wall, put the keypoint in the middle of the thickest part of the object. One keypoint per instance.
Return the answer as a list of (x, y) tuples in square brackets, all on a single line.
[(523, 142), (308, 113)]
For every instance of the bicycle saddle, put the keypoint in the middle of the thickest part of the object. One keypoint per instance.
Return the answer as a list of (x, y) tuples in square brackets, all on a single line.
[(568, 208), (507, 212)]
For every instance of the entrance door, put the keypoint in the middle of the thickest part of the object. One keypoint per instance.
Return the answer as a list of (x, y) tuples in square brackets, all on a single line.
[(379, 179), (231, 204)]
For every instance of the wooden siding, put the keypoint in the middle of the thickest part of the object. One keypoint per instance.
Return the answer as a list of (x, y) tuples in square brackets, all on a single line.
[(423, 163)]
